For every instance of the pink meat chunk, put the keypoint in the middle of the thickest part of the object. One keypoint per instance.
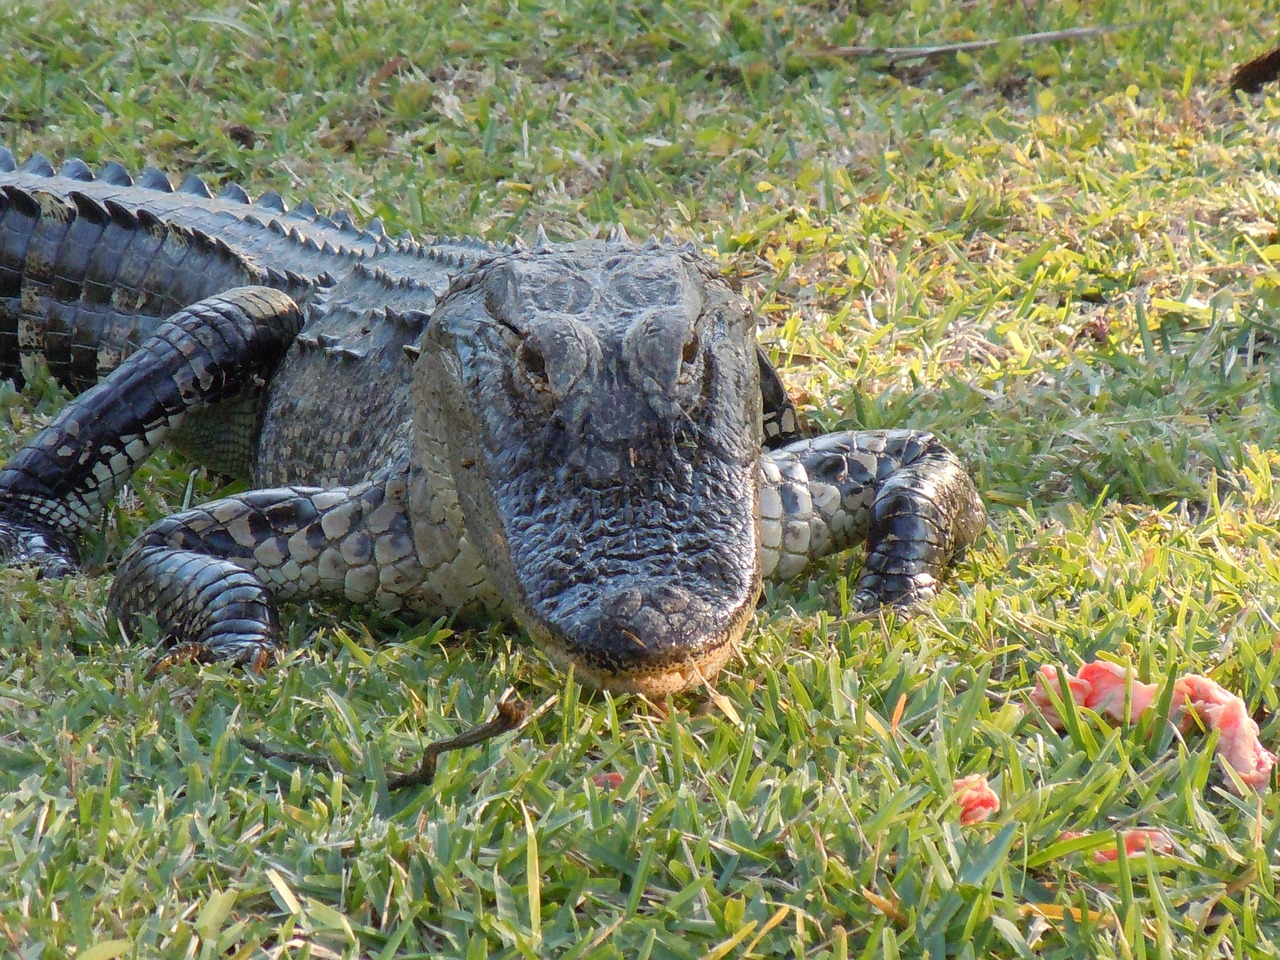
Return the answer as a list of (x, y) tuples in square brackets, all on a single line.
[(976, 799), (1104, 687), (1136, 841)]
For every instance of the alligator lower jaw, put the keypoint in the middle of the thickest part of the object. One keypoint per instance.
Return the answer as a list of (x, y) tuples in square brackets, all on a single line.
[(655, 682)]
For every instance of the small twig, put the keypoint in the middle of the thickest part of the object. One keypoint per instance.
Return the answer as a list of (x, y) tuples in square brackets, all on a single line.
[(289, 756), (511, 715), (897, 54)]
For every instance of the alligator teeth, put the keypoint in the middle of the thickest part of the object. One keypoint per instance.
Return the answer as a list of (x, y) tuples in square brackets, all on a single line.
[(38, 164), (272, 201), (196, 187), (234, 192), (7, 163), (76, 169), (114, 174)]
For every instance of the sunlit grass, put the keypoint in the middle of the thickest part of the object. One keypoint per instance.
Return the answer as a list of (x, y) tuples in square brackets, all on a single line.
[(1058, 258)]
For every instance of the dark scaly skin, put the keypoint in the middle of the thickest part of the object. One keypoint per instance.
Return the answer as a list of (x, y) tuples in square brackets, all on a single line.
[(220, 347), (584, 435)]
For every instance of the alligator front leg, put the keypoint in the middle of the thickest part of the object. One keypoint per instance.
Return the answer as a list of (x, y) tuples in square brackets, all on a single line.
[(212, 575), (900, 491), (56, 487)]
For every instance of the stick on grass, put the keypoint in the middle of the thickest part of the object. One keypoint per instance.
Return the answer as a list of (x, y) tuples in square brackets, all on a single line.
[(899, 54), (511, 714)]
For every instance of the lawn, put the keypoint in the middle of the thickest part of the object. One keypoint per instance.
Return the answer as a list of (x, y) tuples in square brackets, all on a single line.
[(1058, 257)]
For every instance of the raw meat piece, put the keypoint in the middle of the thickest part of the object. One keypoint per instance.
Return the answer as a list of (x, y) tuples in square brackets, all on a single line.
[(976, 799)]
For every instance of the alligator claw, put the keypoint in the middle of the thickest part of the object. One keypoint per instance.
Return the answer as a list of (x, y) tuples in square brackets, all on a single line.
[(254, 656), (23, 543), (908, 602)]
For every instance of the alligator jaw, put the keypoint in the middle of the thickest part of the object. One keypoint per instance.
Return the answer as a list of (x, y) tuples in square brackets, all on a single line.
[(655, 682), (653, 624)]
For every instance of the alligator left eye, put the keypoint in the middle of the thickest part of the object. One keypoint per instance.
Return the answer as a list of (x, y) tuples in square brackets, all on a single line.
[(690, 352), (688, 356)]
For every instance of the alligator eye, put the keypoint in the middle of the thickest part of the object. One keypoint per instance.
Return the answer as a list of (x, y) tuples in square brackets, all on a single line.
[(688, 356), (690, 352), (534, 365)]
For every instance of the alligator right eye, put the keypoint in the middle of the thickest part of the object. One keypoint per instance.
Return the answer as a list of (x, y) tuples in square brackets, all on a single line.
[(534, 366)]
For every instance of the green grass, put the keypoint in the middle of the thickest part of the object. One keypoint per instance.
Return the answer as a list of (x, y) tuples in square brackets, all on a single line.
[(1060, 258)]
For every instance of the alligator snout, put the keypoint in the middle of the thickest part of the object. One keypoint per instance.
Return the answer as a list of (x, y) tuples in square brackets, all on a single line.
[(652, 638)]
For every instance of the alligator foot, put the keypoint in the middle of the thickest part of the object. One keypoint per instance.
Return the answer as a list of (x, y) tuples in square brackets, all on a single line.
[(208, 609), (923, 519), (870, 598), (255, 656), (24, 543), (900, 491)]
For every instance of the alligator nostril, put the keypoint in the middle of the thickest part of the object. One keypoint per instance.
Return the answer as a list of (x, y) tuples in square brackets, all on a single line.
[(671, 600), (641, 625), (624, 603)]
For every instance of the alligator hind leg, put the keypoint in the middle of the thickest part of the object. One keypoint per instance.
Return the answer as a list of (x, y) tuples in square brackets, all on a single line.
[(900, 491), (211, 576), (56, 487)]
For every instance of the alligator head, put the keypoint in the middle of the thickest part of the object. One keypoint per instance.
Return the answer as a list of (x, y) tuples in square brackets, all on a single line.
[(600, 402)]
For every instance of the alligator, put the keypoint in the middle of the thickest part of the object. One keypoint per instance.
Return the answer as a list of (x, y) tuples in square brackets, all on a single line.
[(582, 436)]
